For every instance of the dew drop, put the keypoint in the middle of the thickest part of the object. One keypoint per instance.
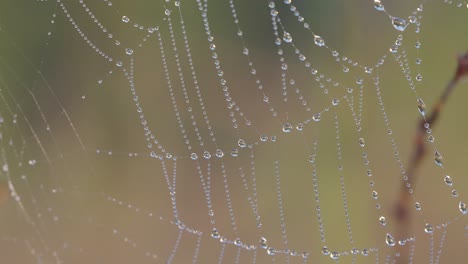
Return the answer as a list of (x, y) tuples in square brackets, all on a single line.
[(335, 255), (318, 40), (421, 107), (463, 208), (383, 220), (263, 243), (362, 142), (325, 251), (241, 143), (194, 156), (263, 138), (335, 101), (417, 206), (215, 233), (399, 24), (206, 155), (448, 180), (300, 127), (389, 240), (234, 152), (219, 153), (129, 51), (419, 77), (271, 251), (438, 159), (316, 117), (125, 19), (378, 5), (287, 128), (428, 229), (287, 37)]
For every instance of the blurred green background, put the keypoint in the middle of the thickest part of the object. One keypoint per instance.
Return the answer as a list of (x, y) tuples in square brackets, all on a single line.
[(73, 140)]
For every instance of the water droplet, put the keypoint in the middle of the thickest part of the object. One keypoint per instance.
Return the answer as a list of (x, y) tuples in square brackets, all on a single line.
[(318, 40), (125, 19), (428, 228), (263, 243), (399, 24), (129, 51), (312, 159), (438, 159), (354, 251), (271, 251), (365, 252), (335, 255), (219, 153), (194, 156), (316, 117), (287, 37), (389, 240), (419, 77), (234, 152), (417, 206), (335, 101), (215, 233), (241, 143), (383, 220), (421, 107), (463, 208), (394, 49), (237, 242), (448, 180), (300, 127), (263, 138), (287, 128), (375, 195), (206, 155), (167, 12), (325, 251), (288, 2), (454, 193), (378, 5), (362, 142)]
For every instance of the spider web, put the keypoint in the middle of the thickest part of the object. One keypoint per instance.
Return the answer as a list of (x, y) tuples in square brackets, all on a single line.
[(230, 131)]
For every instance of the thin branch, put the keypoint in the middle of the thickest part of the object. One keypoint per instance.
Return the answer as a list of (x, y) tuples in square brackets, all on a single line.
[(403, 204)]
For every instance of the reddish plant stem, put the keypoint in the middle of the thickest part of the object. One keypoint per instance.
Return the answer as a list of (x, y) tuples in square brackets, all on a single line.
[(403, 204)]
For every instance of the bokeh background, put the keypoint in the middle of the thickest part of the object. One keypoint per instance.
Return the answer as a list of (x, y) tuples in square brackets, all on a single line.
[(74, 149)]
